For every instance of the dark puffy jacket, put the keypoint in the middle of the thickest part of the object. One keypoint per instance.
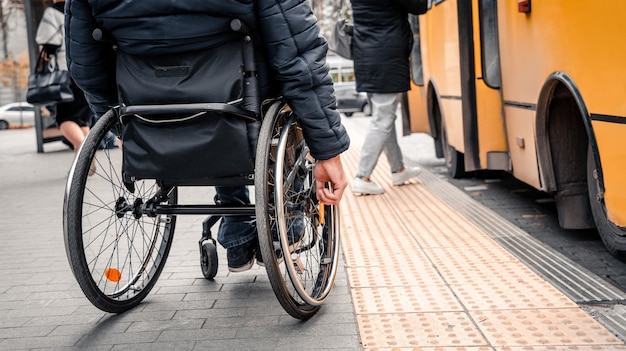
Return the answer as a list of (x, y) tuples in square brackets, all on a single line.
[(382, 44), (295, 66)]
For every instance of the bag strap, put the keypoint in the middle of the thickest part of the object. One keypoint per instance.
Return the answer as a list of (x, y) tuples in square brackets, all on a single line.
[(41, 59)]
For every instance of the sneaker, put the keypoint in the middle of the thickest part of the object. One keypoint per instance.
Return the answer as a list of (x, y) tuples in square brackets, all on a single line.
[(294, 237), (360, 186), (259, 257), (400, 178), (241, 258)]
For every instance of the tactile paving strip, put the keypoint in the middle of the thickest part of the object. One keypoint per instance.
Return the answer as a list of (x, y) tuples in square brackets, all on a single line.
[(418, 330), (562, 348), (422, 277), (405, 299), (380, 275), (542, 327)]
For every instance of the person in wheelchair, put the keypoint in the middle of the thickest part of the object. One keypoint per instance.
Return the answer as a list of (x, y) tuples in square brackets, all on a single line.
[(290, 59)]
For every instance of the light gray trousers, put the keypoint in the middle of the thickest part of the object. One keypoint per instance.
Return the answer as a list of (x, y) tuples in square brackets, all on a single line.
[(381, 135)]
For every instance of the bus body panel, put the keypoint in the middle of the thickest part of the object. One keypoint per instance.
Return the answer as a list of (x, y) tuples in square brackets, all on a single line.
[(451, 110), (611, 139), (521, 135), (583, 41), (418, 109), (491, 136)]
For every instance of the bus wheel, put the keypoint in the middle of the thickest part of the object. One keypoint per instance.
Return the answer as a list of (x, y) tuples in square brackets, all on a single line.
[(454, 159), (613, 237)]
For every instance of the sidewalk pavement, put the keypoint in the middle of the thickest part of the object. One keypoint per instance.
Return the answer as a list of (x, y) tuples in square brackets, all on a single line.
[(415, 275), (43, 308)]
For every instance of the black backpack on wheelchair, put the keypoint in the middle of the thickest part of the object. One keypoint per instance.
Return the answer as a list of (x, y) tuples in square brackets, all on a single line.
[(218, 139)]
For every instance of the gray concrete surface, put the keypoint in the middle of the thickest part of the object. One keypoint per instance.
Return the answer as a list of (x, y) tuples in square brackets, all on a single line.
[(43, 308)]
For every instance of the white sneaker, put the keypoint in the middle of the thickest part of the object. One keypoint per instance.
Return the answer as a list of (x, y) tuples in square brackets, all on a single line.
[(408, 173), (362, 187)]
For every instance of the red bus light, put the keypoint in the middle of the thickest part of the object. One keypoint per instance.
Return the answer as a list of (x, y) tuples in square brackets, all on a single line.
[(523, 6)]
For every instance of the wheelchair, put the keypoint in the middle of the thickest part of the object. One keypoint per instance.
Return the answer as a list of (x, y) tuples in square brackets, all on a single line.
[(119, 221)]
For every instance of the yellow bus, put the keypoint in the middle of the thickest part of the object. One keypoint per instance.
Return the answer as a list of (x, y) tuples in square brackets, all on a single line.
[(536, 88)]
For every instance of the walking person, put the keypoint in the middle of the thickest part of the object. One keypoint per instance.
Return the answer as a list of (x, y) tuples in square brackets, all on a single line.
[(290, 54), (381, 48), (73, 118)]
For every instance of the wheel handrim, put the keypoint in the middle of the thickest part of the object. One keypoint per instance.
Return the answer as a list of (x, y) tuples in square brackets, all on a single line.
[(316, 297)]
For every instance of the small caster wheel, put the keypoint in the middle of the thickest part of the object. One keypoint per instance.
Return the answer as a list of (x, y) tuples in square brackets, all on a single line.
[(208, 259)]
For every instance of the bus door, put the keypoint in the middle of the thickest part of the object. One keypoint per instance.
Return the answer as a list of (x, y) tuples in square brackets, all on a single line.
[(460, 96), (414, 108), (490, 123)]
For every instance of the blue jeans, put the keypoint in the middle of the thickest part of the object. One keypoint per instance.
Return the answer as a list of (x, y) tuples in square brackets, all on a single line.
[(381, 135), (235, 231)]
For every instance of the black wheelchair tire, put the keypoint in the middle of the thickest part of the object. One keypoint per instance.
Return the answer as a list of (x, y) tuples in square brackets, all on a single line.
[(302, 289), (78, 215)]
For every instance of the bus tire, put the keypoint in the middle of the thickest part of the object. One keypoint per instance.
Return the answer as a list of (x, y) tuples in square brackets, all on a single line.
[(613, 236), (455, 161)]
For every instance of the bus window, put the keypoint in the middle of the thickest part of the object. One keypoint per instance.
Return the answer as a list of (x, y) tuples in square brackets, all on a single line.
[(334, 73), (347, 74), (341, 70), (416, 55), (489, 43)]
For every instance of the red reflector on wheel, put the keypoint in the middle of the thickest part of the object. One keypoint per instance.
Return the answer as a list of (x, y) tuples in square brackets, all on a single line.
[(113, 274)]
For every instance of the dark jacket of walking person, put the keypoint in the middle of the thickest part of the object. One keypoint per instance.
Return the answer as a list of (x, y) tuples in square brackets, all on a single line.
[(291, 62), (381, 48), (382, 44)]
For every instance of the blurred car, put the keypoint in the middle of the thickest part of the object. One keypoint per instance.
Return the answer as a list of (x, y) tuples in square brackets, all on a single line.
[(350, 101), (17, 114)]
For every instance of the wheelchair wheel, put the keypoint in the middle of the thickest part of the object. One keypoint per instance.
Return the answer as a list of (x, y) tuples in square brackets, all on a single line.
[(116, 252), (299, 237)]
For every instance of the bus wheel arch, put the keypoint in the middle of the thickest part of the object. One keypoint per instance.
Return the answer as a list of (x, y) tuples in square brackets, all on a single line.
[(562, 128)]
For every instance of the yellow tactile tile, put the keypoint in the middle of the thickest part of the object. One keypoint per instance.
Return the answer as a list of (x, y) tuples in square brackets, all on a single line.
[(460, 271), (401, 330), (510, 295), (405, 299), (563, 348), (422, 277), (542, 327), (404, 275), (429, 348), (436, 225), (376, 236)]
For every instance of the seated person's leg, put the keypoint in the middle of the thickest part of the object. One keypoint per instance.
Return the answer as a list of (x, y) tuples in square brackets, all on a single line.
[(237, 234)]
